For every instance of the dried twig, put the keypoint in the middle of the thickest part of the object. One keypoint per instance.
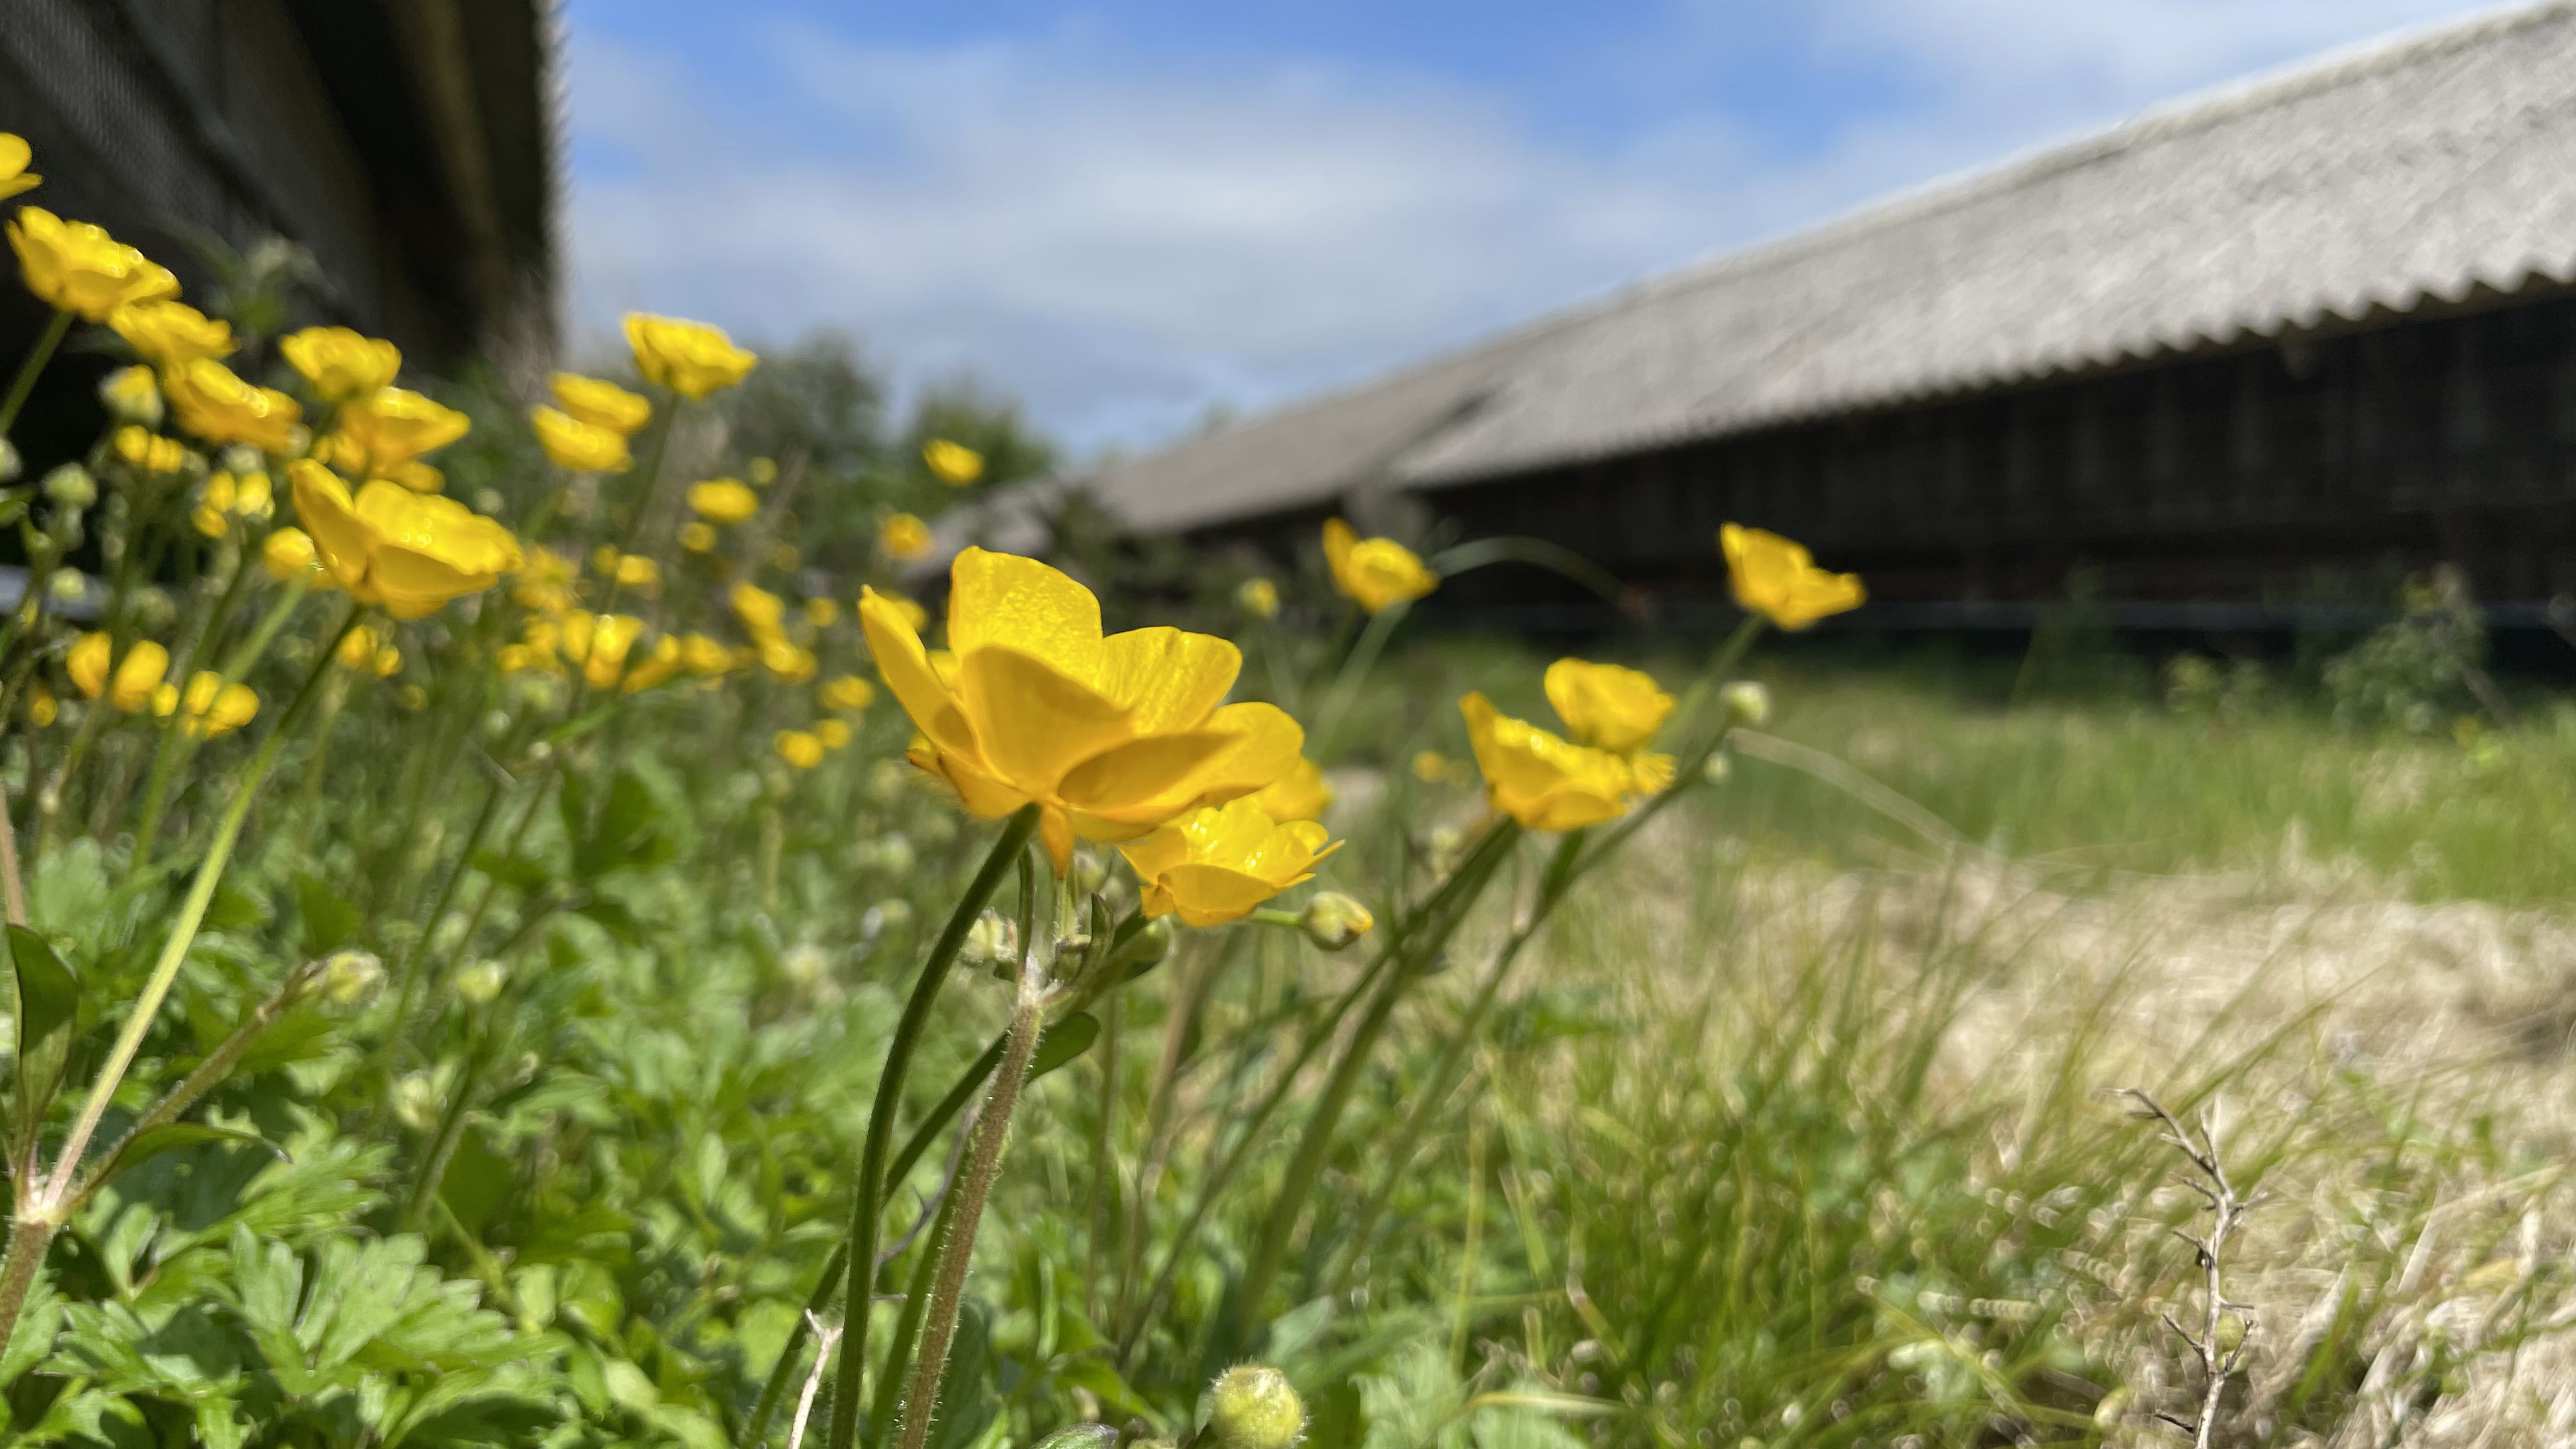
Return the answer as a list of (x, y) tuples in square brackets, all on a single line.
[(825, 1335), (2227, 1209)]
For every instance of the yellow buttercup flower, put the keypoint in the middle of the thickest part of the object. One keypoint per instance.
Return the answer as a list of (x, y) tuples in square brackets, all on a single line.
[(42, 708), (142, 448), (288, 555), (599, 643), (659, 663), (415, 475), (363, 650), (1375, 573), (229, 496), (723, 500), (601, 404), (1613, 708), (1259, 598), (847, 692), (341, 363), (132, 396), (635, 571), (1301, 794), (170, 333), (1540, 780), (15, 154), (834, 733), (1110, 736), (577, 446), (903, 536), (213, 402), (211, 707), (136, 676), (545, 581), (1216, 865), (1777, 579), (786, 660), (954, 464), (705, 655), (408, 552), (822, 613), (798, 747), (758, 608), (698, 537), (393, 425), (690, 358), (914, 617), (80, 268)]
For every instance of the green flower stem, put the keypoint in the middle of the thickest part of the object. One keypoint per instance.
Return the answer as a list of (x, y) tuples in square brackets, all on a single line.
[(33, 367), (42, 1207), (183, 933), (1354, 673), (907, 1323), (1561, 874), (1410, 949), (966, 1202), (177, 745), (1391, 959), (828, 1284), (218, 1065), (866, 1204)]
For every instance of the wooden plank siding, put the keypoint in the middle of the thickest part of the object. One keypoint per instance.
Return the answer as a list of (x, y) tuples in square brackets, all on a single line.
[(2231, 475)]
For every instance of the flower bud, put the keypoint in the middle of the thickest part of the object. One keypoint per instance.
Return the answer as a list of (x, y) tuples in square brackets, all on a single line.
[(1334, 920), (71, 486), (1087, 873), (480, 983), (68, 586), (993, 940), (350, 977), (1252, 1407), (1746, 702), (131, 396), (894, 854), (804, 965), (10, 466), (1716, 770), (416, 1101), (1146, 949), (241, 460)]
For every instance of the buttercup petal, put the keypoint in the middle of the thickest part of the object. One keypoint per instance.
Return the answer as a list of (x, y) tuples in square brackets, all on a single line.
[(1004, 599), (1169, 677), (1033, 723)]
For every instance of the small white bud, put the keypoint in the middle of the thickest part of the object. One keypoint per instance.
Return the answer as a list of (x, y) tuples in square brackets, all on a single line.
[(1746, 702), (480, 983)]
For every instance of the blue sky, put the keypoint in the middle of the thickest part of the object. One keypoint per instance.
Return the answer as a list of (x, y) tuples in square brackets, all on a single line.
[(1129, 212)]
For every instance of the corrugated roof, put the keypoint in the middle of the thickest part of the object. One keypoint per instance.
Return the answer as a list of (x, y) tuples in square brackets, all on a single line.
[(2421, 167)]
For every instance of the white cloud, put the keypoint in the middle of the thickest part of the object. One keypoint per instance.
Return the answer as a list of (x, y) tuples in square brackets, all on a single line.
[(1123, 241)]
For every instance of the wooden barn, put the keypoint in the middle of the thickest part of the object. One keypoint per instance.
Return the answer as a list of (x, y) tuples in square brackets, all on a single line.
[(2315, 327), (410, 149)]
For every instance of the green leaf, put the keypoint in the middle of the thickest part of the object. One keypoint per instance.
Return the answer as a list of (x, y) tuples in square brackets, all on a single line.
[(627, 834), (1063, 1042), (143, 1146), (48, 1005), (331, 920), (518, 872)]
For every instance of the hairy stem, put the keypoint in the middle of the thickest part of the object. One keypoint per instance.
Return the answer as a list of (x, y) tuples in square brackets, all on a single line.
[(868, 1194), (974, 1184)]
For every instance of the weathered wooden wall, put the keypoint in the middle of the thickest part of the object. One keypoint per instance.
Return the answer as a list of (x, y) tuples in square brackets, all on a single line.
[(2240, 475)]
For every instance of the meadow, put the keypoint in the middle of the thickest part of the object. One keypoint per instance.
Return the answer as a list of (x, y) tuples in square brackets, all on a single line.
[(517, 921)]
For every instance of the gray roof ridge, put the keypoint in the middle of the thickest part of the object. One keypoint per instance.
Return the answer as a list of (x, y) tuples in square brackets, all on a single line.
[(2161, 121)]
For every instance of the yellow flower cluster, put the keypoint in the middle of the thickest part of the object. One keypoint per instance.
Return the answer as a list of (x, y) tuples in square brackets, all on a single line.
[(1548, 782), (588, 428)]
